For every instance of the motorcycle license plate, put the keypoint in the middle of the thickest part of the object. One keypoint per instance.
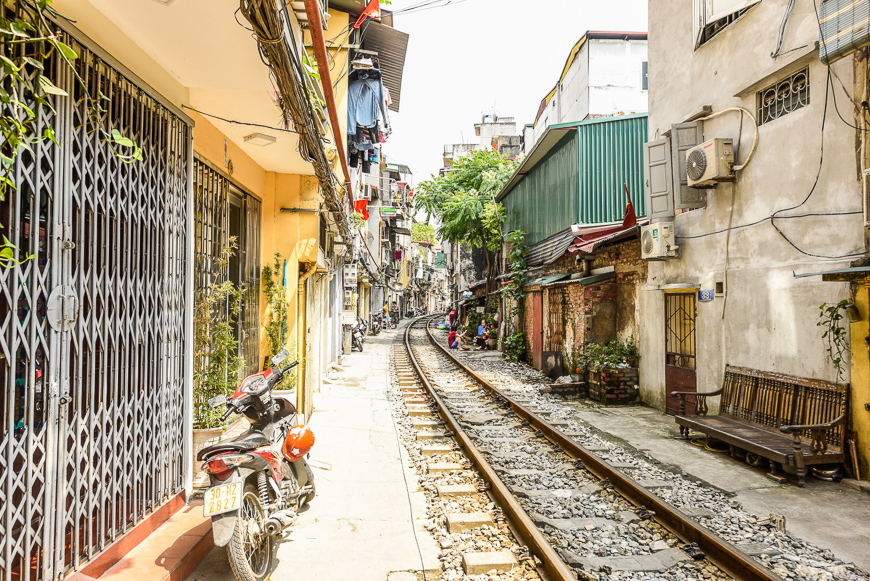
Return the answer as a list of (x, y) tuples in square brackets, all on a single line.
[(222, 499)]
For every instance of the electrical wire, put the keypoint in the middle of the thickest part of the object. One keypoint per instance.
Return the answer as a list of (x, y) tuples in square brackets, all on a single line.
[(234, 122), (742, 111), (777, 50)]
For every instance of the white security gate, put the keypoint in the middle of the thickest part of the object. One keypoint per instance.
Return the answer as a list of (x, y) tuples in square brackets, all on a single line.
[(93, 329)]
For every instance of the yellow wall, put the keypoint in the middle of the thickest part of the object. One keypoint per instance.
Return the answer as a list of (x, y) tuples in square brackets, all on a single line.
[(861, 378)]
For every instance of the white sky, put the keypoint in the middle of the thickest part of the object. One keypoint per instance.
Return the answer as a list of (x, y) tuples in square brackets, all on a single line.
[(469, 55)]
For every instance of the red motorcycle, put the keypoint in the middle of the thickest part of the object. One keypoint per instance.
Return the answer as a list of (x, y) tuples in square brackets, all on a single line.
[(259, 480)]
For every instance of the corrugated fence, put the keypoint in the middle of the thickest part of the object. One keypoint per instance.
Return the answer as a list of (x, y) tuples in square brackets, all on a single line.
[(580, 180)]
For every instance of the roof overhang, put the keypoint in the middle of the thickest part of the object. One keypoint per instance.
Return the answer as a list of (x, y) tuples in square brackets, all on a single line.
[(391, 46)]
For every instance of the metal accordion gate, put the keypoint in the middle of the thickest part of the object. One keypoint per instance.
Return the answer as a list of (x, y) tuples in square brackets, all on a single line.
[(94, 327)]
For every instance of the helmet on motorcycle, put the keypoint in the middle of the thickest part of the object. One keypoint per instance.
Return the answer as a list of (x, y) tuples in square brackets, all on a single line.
[(297, 443)]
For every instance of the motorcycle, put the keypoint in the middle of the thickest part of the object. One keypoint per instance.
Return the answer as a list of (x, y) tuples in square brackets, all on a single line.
[(357, 335), (259, 480), (376, 324)]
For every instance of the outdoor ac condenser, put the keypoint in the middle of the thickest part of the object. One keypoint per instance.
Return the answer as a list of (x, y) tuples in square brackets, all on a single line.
[(710, 163), (657, 241)]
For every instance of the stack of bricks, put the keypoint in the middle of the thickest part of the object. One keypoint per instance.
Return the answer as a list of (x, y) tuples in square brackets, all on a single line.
[(609, 388)]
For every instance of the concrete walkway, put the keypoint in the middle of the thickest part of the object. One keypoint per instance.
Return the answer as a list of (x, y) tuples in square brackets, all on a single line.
[(359, 525), (828, 515)]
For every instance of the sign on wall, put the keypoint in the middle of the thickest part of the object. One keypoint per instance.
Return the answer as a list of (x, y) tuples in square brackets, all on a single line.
[(705, 296)]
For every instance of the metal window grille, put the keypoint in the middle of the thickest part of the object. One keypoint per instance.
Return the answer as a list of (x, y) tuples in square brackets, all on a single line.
[(92, 400), (784, 97), (555, 300), (680, 330), (211, 208)]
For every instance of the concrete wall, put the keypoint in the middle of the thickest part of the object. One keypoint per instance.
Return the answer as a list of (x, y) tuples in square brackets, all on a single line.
[(767, 318), (615, 77), (604, 79)]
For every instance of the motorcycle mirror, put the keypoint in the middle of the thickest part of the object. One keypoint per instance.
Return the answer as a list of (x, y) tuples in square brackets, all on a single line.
[(280, 356), (217, 401)]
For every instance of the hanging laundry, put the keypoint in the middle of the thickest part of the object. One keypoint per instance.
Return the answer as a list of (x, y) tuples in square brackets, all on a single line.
[(365, 100)]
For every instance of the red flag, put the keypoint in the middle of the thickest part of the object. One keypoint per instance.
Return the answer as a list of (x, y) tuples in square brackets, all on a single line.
[(362, 207), (630, 218), (373, 10)]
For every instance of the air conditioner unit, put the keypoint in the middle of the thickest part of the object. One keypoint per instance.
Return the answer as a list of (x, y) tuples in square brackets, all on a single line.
[(657, 241), (710, 163)]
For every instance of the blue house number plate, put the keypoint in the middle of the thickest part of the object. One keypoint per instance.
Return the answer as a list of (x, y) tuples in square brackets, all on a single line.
[(705, 295)]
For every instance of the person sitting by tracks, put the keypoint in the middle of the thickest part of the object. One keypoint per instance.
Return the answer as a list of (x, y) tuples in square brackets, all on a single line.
[(463, 337), (452, 341), (482, 334)]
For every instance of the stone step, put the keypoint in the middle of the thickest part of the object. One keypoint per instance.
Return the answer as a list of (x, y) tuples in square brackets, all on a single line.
[(458, 522), (482, 563), (434, 449), (431, 435), (422, 422), (442, 467), (456, 489)]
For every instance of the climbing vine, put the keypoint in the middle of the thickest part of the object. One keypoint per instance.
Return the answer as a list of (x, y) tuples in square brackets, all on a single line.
[(217, 364), (516, 270), (835, 336), (277, 305), (29, 42)]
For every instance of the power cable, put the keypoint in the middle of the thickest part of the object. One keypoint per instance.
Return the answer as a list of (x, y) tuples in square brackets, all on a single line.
[(235, 122)]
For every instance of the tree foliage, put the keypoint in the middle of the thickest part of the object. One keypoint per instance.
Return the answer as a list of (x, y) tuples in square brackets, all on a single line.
[(423, 232), (464, 199)]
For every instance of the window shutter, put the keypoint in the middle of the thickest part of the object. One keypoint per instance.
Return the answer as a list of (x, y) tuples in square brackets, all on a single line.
[(685, 136), (717, 9), (659, 180)]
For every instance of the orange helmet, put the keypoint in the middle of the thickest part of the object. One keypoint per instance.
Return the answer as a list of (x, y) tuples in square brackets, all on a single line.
[(297, 443)]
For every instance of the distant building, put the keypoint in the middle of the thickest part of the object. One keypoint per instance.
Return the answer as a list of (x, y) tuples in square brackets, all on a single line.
[(605, 75), (499, 133)]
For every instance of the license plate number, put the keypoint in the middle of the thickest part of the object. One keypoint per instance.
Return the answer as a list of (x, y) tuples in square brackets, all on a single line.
[(222, 499)]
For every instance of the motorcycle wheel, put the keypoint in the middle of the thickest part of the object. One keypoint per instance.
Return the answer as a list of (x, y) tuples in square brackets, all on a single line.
[(250, 548), (359, 345)]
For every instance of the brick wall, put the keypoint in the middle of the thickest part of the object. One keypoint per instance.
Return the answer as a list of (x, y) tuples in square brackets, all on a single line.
[(580, 300), (614, 388)]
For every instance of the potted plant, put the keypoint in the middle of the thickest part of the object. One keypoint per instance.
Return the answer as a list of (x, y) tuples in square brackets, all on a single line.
[(492, 339), (217, 364)]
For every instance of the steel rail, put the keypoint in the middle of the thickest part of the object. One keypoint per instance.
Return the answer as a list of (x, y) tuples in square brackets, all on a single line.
[(720, 552), (538, 544)]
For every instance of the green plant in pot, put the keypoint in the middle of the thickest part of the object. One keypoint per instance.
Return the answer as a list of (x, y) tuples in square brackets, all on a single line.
[(217, 363)]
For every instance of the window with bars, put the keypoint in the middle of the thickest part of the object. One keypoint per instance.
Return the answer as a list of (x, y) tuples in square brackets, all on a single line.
[(784, 96), (555, 299)]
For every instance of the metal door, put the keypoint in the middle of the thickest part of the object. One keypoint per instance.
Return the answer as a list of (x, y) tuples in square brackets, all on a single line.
[(679, 350), (537, 338), (94, 328)]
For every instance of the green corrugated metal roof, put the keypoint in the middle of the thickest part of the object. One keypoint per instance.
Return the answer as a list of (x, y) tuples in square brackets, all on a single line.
[(574, 174)]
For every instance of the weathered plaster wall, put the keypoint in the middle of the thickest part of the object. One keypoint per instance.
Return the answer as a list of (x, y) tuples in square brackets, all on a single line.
[(615, 77), (767, 318)]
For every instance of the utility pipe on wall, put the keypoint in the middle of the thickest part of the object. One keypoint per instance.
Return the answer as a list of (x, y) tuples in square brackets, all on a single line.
[(302, 336), (315, 26)]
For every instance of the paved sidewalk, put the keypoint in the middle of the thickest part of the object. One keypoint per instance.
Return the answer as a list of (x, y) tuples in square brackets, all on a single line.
[(829, 515), (359, 525)]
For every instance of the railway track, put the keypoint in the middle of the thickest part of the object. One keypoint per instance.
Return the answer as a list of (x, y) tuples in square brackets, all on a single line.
[(578, 514)]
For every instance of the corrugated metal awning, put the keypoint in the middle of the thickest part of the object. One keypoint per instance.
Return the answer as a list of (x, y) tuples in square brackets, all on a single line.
[(588, 241), (855, 271), (549, 279), (391, 46), (549, 250)]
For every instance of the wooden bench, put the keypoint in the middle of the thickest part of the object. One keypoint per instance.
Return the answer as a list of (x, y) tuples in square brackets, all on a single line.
[(789, 420)]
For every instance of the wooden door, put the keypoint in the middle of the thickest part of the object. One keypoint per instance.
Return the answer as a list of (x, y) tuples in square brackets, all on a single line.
[(679, 350), (537, 338)]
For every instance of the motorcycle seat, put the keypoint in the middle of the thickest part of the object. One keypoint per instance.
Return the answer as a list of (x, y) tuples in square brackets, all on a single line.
[(243, 443)]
